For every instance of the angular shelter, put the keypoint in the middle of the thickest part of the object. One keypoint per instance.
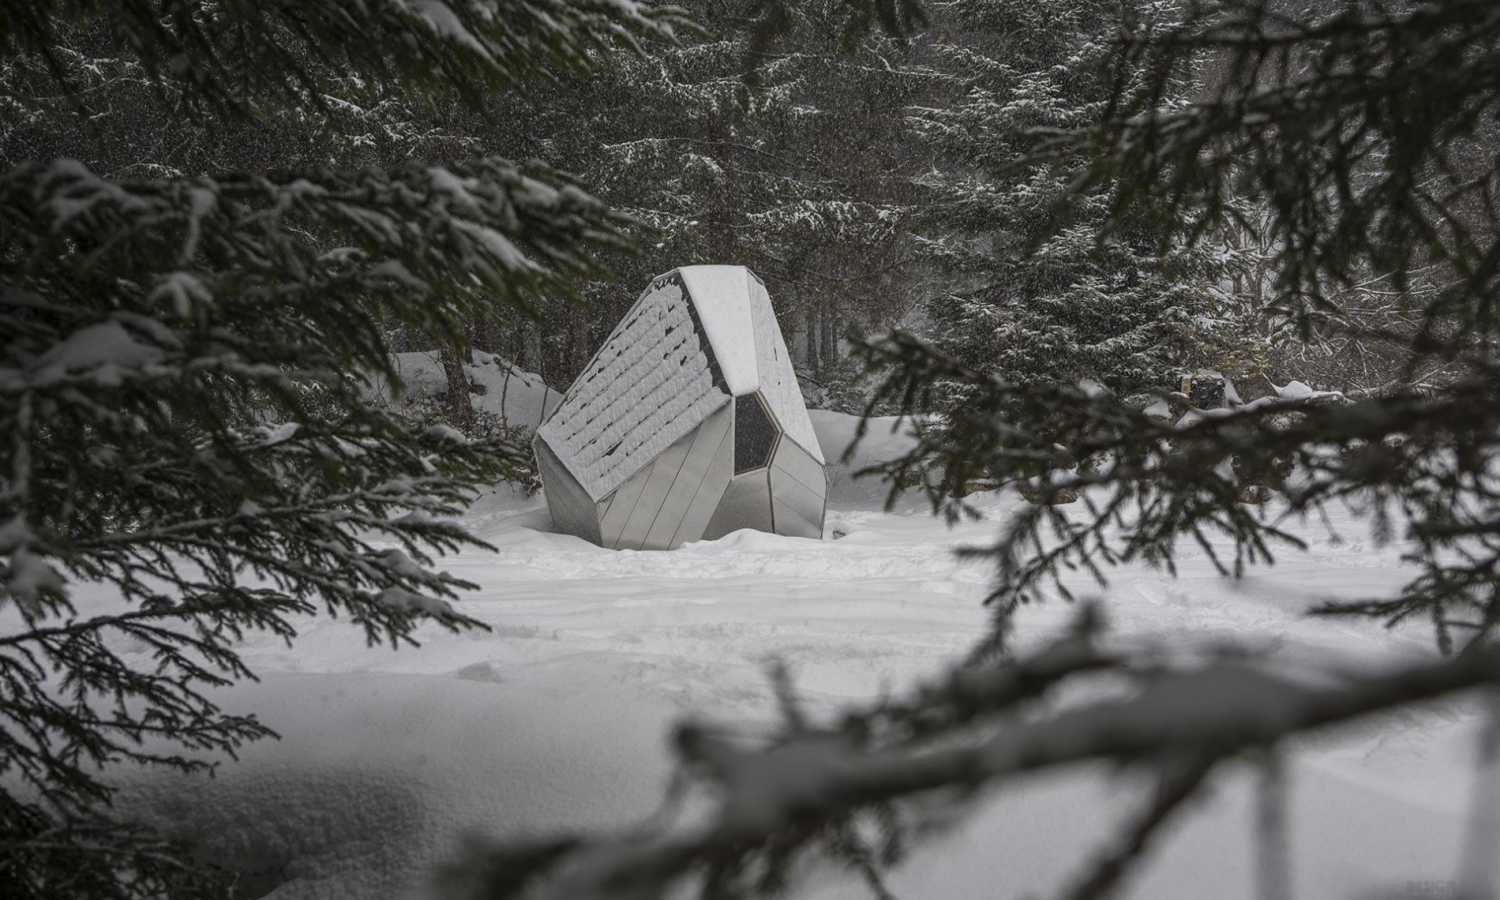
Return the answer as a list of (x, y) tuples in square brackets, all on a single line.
[(687, 424)]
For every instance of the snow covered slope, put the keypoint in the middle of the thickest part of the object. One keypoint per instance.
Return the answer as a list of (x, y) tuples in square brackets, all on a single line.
[(558, 717), (527, 399)]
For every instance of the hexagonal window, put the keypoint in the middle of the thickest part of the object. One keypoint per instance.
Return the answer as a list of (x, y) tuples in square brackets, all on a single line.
[(755, 433)]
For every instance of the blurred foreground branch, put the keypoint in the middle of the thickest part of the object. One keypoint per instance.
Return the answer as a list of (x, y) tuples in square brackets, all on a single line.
[(777, 799)]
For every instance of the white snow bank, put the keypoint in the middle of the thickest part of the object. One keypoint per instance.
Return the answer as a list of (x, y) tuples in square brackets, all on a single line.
[(1296, 390), (527, 398), (377, 775), (887, 438)]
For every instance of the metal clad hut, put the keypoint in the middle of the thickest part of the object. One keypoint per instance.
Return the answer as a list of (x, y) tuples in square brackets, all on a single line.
[(687, 424)]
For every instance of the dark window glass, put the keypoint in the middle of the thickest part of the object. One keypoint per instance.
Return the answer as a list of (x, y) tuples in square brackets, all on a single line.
[(754, 434)]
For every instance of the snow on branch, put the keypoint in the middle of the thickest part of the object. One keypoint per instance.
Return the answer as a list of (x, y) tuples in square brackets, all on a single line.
[(225, 249), (244, 51), (1145, 484)]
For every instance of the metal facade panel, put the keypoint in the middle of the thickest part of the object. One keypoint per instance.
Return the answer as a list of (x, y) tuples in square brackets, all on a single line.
[(654, 494), (622, 506), (795, 521), (799, 491), (800, 465), (695, 468), (798, 511), (572, 509), (746, 504), (710, 490)]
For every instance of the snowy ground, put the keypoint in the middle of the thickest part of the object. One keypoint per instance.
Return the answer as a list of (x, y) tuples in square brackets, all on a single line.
[(557, 718)]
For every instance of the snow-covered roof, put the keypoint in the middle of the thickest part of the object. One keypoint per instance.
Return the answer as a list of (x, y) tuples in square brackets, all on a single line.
[(721, 295), (649, 385)]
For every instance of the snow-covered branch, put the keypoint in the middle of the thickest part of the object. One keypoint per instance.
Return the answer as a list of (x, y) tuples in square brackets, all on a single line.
[(1175, 721)]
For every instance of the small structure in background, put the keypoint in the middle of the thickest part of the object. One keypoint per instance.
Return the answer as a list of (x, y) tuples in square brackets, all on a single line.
[(687, 424), (1204, 390)]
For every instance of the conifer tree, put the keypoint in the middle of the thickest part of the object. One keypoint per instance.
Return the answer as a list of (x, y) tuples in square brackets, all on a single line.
[(185, 352), (1388, 175), (1043, 285)]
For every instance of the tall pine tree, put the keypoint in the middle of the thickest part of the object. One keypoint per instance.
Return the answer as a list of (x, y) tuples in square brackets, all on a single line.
[(1039, 290)]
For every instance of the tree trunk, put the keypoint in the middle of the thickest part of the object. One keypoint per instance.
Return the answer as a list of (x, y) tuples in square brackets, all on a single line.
[(531, 348), (583, 343), (489, 335), (460, 407), (829, 334), (811, 327), (505, 389)]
